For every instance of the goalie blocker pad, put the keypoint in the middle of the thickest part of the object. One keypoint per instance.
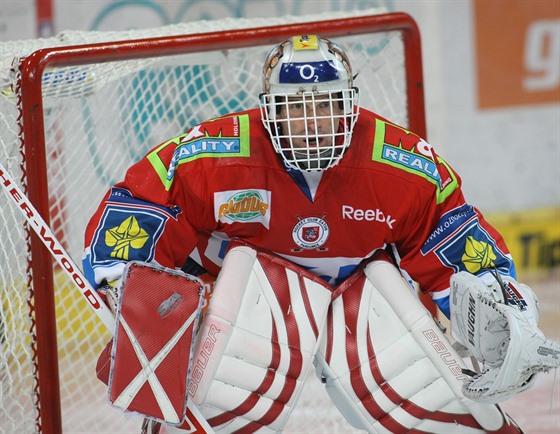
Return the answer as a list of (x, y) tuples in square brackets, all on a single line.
[(158, 311), (257, 341), (388, 367)]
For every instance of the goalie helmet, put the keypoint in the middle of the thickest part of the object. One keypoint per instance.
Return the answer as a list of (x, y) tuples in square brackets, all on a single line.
[(309, 105)]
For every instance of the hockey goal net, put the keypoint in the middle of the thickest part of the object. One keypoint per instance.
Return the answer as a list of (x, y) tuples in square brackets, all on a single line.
[(75, 111)]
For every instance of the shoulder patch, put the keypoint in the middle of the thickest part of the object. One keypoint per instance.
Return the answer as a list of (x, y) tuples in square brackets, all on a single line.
[(221, 137), (128, 229), (472, 249), (400, 148)]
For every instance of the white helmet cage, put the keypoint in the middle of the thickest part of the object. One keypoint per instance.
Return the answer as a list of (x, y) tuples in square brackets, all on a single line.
[(309, 105)]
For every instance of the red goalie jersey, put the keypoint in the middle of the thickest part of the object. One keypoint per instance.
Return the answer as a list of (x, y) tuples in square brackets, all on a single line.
[(223, 180)]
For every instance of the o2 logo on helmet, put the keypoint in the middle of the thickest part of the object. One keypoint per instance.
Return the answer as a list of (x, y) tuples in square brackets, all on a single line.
[(308, 72), (310, 233)]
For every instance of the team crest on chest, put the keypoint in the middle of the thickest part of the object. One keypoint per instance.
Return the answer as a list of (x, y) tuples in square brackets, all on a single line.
[(310, 232)]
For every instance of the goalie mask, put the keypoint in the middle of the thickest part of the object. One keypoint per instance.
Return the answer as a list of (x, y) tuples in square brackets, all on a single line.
[(309, 106)]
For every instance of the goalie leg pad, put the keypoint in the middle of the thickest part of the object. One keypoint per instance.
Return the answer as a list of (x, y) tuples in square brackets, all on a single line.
[(257, 341), (504, 337), (389, 368), (158, 310)]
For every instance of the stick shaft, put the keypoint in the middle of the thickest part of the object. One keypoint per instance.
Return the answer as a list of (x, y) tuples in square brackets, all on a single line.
[(56, 249)]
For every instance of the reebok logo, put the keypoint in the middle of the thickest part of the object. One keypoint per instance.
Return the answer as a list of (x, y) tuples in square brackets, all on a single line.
[(370, 215)]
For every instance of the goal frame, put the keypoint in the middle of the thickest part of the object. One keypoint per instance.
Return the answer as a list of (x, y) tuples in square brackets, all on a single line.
[(32, 69)]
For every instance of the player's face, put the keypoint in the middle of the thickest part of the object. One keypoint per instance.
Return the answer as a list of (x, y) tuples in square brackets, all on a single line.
[(311, 123)]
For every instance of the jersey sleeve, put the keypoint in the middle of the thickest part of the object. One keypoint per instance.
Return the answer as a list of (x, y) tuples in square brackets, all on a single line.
[(447, 235), (142, 218)]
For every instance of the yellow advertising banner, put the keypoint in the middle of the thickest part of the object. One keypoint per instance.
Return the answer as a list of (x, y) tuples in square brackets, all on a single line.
[(517, 52), (533, 238)]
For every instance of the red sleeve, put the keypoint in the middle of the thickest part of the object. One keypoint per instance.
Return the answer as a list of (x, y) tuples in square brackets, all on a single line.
[(141, 218), (447, 235)]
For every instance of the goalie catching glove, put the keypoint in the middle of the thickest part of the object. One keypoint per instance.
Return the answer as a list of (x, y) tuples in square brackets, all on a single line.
[(498, 324)]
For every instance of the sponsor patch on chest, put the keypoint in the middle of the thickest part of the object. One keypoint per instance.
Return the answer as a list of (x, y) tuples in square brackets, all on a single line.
[(243, 206)]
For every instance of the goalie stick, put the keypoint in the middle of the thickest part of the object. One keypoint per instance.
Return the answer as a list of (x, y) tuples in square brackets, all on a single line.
[(63, 258), (56, 249)]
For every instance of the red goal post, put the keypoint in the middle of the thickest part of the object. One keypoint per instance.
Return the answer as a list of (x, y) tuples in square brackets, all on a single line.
[(102, 95)]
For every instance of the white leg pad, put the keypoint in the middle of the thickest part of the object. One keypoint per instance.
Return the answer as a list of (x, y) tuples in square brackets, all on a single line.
[(389, 368), (257, 341)]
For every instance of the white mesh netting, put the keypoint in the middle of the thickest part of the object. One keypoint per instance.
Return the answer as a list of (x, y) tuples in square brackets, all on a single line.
[(99, 118)]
